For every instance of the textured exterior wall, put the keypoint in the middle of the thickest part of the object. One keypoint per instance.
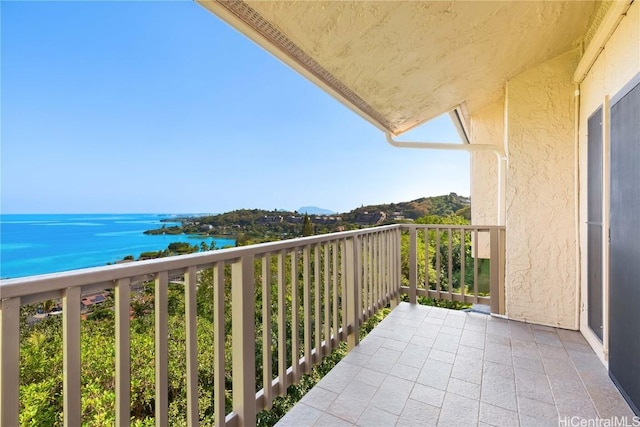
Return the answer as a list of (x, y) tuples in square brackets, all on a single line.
[(616, 65), (540, 214), (487, 127)]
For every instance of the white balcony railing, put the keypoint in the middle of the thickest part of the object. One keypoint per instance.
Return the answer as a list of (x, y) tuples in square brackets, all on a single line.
[(335, 282)]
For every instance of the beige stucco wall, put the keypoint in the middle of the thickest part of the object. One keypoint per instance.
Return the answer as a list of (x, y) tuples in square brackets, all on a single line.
[(540, 193), (540, 214), (487, 127), (614, 67)]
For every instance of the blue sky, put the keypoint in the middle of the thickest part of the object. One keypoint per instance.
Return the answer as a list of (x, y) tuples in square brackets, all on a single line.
[(162, 107)]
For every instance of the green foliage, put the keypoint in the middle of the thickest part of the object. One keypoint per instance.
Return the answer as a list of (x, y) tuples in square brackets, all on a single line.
[(437, 205), (429, 245), (443, 220), (175, 229), (464, 212), (182, 248), (452, 305), (150, 255), (307, 227), (173, 249), (41, 375), (40, 403)]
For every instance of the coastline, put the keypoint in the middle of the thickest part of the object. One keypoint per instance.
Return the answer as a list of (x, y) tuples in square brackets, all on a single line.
[(33, 244)]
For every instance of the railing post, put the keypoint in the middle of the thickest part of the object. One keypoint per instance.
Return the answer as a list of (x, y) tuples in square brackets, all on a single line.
[(502, 267), (191, 312), (353, 292), (316, 312), (9, 361), (72, 408), (267, 374), (306, 303), (397, 270), (295, 319), (413, 264), (282, 323), (161, 310), (497, 242), (218, 345), (243, 339), (123, 352)]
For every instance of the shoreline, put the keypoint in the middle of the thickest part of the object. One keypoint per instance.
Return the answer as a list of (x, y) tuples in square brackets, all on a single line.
[(37, 244)]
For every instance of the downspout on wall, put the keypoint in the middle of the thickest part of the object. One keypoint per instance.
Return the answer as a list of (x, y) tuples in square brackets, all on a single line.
[(576, 206)]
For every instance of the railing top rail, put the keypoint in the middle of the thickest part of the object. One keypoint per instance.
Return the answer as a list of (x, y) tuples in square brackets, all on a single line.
[(452, 226), (31, 285)]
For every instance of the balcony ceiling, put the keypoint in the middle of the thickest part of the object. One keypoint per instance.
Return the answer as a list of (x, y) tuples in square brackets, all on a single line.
[(400, 63)]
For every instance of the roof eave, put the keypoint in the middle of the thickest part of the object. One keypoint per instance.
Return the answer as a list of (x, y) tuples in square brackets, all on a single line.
[(223, 12)]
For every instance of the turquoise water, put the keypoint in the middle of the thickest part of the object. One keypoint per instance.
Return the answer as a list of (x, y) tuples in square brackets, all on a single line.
[(39, 244)]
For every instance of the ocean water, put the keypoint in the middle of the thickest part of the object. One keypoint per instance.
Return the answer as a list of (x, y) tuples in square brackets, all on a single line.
[(39, 244)]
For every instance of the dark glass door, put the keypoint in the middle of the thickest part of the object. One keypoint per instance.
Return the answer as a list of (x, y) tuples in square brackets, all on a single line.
[(624, 278), (594, 223)]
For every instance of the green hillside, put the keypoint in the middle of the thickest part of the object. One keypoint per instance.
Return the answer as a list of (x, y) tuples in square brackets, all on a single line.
[(414, 209), (251, 225)]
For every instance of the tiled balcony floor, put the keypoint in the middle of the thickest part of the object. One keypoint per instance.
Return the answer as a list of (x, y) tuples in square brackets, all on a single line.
[(427, 366)]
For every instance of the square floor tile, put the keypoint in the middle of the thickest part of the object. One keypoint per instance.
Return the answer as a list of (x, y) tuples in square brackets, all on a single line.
[(375, 417), (427, 394), (418, 414), (458, 411), (392, 395)]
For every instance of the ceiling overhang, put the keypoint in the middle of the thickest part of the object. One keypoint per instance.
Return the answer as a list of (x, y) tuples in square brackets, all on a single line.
[(399, 64)]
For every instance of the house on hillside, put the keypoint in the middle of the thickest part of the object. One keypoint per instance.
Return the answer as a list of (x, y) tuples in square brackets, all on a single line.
[(545, 96), (295, 219), (324, 219), (92, 300), (270, 219), (370, 218)]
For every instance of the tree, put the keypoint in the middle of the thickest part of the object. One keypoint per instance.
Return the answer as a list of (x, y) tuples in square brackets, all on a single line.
[(48, 306), (307, 227)]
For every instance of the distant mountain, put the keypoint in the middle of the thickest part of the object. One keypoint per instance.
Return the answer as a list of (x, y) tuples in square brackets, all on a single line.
[(313, 210)]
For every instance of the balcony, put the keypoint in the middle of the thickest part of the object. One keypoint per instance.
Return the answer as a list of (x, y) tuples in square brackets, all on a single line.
[(429, 366), (336, 282)]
